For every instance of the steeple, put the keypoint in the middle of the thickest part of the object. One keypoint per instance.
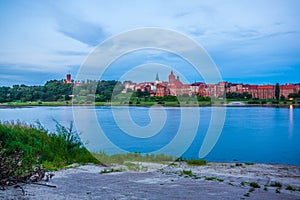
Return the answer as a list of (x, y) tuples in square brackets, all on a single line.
[(157, 79)]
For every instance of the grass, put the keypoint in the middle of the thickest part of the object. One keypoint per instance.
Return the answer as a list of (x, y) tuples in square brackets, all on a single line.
[(187, 173), (244, 183), (106, 171), (173, 165), (39, 103), (230, 183), (249, 163), (135, 167), (220, 180), (195, 162), (276, 184), (289, 187), (210, 178), (192, 162), (28, 150), (247, 194), (133, 157), (254, 185), (122, 102), (52, 150)]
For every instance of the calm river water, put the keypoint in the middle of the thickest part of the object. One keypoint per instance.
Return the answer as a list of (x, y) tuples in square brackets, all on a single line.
[(250, 134)]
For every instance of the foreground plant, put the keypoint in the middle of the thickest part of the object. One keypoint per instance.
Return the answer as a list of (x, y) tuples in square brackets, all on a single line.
[(27, 151), (14, 170)]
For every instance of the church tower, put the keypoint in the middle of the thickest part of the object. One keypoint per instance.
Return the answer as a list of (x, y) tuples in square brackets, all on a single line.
[(156, 79), (172, 78)]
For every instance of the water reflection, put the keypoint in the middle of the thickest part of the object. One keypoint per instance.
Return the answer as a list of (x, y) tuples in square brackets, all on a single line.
[(291, 119)]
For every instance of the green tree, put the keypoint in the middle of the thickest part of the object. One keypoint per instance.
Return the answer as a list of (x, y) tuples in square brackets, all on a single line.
[(277, 91)]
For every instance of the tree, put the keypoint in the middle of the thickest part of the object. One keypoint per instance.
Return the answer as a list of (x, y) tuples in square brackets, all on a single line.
[(277, 91), (139, 93)]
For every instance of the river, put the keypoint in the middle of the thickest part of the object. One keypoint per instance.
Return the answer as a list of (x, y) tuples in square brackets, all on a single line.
[(249, 134)]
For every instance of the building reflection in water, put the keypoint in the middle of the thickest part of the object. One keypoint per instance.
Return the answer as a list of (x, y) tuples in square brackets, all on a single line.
[(291, 121)]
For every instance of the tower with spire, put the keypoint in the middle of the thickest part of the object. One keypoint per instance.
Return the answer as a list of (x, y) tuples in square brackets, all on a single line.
[(172, 78), (157, 79)]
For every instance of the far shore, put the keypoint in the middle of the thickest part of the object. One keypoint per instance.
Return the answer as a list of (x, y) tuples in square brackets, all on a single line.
[(146, 104)]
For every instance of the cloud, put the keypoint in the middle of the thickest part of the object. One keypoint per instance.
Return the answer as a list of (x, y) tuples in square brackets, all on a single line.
[(83, 31)]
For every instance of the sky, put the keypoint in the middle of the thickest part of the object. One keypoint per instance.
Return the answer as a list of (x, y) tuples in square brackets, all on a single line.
[(249, 41)]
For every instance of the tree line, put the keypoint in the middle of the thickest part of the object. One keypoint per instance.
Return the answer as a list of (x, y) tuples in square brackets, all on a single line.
[(53, 90), (58, 90)]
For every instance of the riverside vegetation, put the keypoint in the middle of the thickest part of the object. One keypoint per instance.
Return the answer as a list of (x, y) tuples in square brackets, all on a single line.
[(27, 151)]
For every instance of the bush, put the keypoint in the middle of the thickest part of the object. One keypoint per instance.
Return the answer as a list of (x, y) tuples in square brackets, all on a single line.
[(254, 185), (187, 172), (289, 187), (210, 178), (54, 149), (14, 170), (196, 162), (276, 184)]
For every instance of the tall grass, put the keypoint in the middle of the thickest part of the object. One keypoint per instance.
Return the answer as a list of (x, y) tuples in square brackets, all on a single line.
[(52, 150), (133, 157)]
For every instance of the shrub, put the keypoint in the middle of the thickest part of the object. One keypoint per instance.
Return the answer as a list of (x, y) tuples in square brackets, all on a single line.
[(249, 163), (210, 178), (247, 194), (289, 187), (105, 171), (243, 183), (196, 162), (54, 149), (13, 169), (186, 172), (276, 184), (254, 185)]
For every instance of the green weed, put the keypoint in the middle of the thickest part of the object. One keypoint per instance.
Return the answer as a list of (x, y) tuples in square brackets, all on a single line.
[(210, 178), (195, 162), (105, 171), (289, 187), (254, 185), (276, 184), (187, 172)]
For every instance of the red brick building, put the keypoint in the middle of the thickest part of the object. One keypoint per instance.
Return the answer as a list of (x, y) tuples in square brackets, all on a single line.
[(175, 87), (287, 89), (162, 90), (266, 91)]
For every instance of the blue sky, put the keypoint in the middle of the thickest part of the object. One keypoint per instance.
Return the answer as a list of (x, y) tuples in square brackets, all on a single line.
[(250, 41)]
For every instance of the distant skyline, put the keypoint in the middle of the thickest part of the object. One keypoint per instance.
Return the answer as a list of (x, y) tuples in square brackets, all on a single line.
[(250, 41)]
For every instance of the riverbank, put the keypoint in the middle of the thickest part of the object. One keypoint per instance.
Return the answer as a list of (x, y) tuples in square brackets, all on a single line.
[(148, 104), (175, 181)]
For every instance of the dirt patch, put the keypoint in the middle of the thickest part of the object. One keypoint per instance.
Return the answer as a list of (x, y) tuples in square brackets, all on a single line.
[(176, 181)]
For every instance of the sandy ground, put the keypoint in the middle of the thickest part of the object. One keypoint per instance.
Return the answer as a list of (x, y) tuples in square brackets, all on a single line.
[(155, 181)]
